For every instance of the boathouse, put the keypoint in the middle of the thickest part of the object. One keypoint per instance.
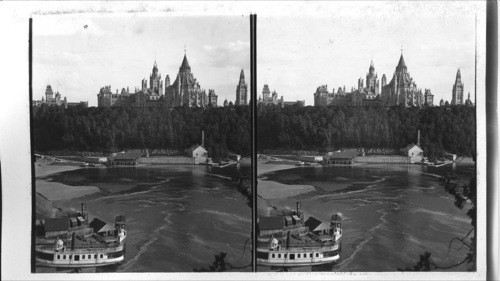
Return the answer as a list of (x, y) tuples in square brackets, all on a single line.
[(125, 158), (413, 152), (270, 225), (340, 157)]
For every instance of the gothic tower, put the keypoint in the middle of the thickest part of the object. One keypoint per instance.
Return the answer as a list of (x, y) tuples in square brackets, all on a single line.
[(241, 90), (458, 90), (372, 83), (155, 83)]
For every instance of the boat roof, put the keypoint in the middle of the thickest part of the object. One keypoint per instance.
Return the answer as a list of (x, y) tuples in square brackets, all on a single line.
[(271, 223), (100, 226), (315, 224), (56, 224)]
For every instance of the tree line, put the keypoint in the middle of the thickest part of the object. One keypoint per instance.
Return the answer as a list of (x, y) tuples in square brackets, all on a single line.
[(442, 129), (101, 129), (227, 129)]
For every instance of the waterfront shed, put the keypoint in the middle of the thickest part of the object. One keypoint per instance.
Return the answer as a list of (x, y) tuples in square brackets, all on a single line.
[(125, 158), (340, 157), (199, 153), (414, 152)]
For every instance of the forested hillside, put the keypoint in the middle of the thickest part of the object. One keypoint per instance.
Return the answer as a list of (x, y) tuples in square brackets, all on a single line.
[(451, 129), (227, 129), (111, 129)]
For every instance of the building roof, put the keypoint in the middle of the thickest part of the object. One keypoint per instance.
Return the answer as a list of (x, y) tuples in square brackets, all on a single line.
[(401, 63), (127, 156), (194, 147), (271, 223), (410, 146), (342, 154), (185, 63), (315, 224), (56, 224)]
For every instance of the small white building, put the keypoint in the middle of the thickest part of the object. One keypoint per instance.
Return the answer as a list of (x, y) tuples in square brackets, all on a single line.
[(199, 153), (414, 152)]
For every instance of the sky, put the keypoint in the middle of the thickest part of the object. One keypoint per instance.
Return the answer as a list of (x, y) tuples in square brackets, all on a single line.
[(334, 43), (77, 54)]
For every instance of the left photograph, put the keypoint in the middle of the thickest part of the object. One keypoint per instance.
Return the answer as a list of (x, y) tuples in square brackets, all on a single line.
[(141, 143)]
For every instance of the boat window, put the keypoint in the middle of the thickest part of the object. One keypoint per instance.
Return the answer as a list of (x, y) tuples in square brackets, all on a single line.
[(83, 257), (58, 257), (317, 254), (90, 256), (292, 256), (298, 255), (101, 256), (70, 256), (95, 256), (285, 255), (310, 255), (272, 256), (279, 256), (64, 257), (77, 257)]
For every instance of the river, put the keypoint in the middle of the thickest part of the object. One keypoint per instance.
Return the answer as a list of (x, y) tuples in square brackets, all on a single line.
[(391, 213), (178, 217)]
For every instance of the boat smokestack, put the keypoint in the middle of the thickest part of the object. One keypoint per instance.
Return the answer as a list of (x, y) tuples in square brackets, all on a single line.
[(298, 206), (288, 239), (83, 208), (203, 139), (418, 140), (73, 241)]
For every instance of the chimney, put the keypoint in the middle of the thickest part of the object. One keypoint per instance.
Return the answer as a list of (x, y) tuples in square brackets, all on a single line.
[(418, 140), (203, 139), (298, 206), (83, 208)]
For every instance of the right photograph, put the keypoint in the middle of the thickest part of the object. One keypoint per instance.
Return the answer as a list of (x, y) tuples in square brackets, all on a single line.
[(366, 138)]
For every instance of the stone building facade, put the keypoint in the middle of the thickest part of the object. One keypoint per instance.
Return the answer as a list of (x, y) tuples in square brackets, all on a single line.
[(52, 99), (457, 93), (241, 90), (401, 90), (269, 98), (184, 91)]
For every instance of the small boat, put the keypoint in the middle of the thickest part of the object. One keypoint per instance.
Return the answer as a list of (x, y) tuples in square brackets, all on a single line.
[(287, 240), (73, 242)]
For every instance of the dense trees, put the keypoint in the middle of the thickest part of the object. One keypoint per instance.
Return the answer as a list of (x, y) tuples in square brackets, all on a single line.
[(450, 129), (111, 129), (227, 129)]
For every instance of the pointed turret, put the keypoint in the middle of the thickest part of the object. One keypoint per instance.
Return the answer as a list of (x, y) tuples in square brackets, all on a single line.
[(372, 67), (155, 69), (185, 64), (401, 64), (458, 79)]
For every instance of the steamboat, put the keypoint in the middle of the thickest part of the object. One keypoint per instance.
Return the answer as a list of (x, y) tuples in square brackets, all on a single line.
[(74, 242), (287, 240)]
